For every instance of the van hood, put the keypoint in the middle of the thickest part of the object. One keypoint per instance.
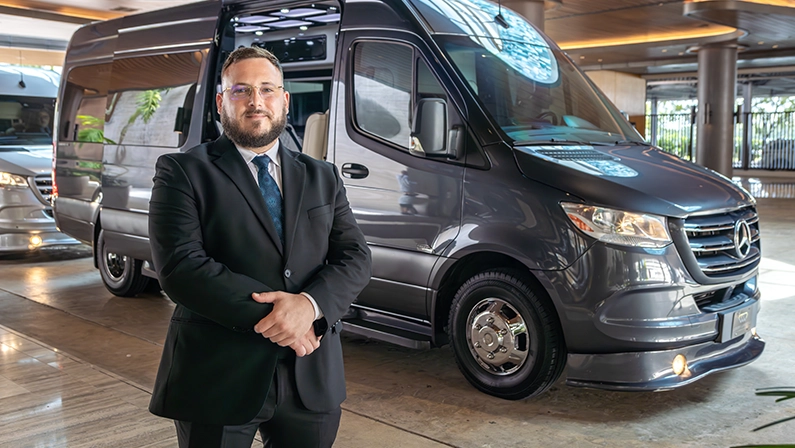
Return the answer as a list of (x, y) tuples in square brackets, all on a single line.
[(26, 161), (635, 178)]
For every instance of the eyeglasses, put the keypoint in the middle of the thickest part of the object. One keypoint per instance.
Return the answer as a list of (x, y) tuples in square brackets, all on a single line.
[(244, 91)]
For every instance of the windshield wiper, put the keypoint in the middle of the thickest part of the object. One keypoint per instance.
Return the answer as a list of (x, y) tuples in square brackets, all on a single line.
[(556, 142), (551, 142), (633, 142)]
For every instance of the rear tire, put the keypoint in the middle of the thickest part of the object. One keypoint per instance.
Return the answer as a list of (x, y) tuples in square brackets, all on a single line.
[(120, 274), (506, 340)]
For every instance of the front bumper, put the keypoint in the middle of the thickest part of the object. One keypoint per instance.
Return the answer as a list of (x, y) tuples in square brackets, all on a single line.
[(26, 224), (30, 241), (652, 371)]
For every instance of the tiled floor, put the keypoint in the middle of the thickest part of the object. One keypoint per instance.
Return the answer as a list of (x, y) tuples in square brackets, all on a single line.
[(93, 390), (50, 399)]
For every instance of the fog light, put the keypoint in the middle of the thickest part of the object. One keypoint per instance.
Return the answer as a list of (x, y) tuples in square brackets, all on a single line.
[(680, 364), (35, 241)]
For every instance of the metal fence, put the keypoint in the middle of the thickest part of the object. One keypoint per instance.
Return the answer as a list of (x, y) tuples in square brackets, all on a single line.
[(769, 143)]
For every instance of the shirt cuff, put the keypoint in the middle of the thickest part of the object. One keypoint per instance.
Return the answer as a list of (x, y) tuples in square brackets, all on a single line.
[(318, 312)]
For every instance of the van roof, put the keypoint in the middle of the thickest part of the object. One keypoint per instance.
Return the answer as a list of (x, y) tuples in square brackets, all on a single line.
[(38, 82)]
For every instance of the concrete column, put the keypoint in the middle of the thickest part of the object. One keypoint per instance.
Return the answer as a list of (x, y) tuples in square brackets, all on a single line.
[(748, 99), (654, 122), (717, 79), (532, 10)]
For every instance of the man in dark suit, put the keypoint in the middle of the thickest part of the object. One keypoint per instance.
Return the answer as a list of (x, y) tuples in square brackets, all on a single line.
[(258, 247)]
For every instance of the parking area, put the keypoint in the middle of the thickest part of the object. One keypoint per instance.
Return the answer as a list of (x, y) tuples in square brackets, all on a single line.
[(77, 366)]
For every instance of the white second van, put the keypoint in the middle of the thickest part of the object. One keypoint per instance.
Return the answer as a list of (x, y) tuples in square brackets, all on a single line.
[(27, 99)]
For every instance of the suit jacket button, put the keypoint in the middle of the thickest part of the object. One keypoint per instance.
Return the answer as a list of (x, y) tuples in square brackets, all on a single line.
[(287, 273)]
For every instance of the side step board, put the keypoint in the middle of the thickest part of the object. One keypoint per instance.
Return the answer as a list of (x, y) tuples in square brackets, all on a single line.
[(386, 334)]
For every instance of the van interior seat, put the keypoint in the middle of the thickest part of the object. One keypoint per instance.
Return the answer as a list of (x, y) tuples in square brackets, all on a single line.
[(316, 135)]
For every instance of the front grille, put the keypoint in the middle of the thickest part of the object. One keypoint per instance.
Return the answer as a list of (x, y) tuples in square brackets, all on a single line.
[(44, 187), (714, 241)]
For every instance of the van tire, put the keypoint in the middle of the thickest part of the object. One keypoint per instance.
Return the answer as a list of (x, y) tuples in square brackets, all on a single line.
[(492, 300), (120, 274)]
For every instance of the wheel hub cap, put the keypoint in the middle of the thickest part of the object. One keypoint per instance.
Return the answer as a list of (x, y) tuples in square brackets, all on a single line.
[(498, 336)]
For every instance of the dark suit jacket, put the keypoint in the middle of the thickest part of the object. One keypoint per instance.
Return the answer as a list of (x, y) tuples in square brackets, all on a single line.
[(214, 244)]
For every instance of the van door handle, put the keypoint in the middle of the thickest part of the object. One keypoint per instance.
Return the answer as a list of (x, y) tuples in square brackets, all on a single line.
[(355, 171)]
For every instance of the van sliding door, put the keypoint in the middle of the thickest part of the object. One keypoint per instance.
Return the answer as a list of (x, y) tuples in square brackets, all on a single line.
[(157, 66)]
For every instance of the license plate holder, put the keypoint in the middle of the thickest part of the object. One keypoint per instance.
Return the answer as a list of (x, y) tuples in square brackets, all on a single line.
[(737, 322)]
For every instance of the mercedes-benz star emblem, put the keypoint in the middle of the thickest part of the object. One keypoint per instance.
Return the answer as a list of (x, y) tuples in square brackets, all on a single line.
[(742, 239)]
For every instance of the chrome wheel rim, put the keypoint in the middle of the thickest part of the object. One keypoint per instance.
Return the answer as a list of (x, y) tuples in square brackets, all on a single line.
[(498, 337), (115, 265)]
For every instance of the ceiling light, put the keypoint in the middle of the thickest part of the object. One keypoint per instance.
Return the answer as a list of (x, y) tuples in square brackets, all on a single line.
[(257, 19), (250, 28), (258, 33), (303, 28), (761, 42), (775, 46), (289, 23), (301, 12), (665, 50)]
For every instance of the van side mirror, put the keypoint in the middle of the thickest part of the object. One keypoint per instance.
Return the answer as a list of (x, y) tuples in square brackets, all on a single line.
[(429, 129)]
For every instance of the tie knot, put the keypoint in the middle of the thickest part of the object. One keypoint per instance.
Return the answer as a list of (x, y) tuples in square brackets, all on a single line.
[(262, 161)]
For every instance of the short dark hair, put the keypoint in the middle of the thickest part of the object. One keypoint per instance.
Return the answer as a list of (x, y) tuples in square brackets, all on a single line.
[(251, 53)]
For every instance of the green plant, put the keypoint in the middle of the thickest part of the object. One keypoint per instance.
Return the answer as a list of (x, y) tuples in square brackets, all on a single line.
[(785, 393), (91, 130), (148, 103)]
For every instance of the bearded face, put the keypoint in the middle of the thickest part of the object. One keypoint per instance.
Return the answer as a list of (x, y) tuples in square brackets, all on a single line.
[(253, 105), (255, 134)]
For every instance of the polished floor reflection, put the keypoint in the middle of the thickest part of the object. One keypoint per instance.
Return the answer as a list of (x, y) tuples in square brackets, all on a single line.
[(77, 365)]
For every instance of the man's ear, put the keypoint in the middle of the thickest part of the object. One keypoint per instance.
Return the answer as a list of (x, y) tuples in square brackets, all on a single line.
[(287, 101), (219, 102)]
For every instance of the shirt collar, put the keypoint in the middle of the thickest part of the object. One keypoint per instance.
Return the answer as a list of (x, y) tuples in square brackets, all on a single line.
[(273, 153)]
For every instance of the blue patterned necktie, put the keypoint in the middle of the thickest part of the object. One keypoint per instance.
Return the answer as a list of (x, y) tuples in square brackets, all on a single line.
[(270, 192)]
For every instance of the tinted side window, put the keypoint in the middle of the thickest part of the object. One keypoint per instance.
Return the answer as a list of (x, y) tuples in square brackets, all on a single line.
[(150, 99), (82, 113), (382, 80)]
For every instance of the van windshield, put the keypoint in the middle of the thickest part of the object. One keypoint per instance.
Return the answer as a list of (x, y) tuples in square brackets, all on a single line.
[(530, 89), (26, 121), (541, 102)]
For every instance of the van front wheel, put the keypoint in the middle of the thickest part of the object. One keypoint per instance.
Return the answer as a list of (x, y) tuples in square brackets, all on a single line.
[(120, 274), (506, 340)]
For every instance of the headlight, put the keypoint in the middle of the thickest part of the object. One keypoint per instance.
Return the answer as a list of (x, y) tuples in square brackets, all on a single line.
[(619, 227), (12, 180)]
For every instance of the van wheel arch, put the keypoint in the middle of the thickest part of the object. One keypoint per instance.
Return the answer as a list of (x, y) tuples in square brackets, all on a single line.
[(460, 272)]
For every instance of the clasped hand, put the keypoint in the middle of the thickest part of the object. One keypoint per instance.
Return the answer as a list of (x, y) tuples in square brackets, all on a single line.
[(289, 324)]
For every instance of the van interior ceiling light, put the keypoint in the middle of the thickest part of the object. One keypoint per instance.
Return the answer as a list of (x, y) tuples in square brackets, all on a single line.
[(618, 226)]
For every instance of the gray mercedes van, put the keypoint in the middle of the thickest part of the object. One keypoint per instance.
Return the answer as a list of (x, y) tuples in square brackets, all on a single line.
[(511, 210), (27, 100)]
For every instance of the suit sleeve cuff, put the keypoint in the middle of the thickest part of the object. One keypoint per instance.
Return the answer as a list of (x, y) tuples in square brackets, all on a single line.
[(318, 312)]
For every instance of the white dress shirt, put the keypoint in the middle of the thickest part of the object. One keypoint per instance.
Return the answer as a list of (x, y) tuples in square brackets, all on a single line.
[(275, 170)]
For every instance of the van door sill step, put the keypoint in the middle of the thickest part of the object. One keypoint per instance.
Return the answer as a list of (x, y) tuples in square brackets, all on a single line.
[(386, 334)]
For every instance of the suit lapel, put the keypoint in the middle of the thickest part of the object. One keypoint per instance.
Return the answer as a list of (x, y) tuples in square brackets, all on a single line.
[(232, 164), (293, 184)]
